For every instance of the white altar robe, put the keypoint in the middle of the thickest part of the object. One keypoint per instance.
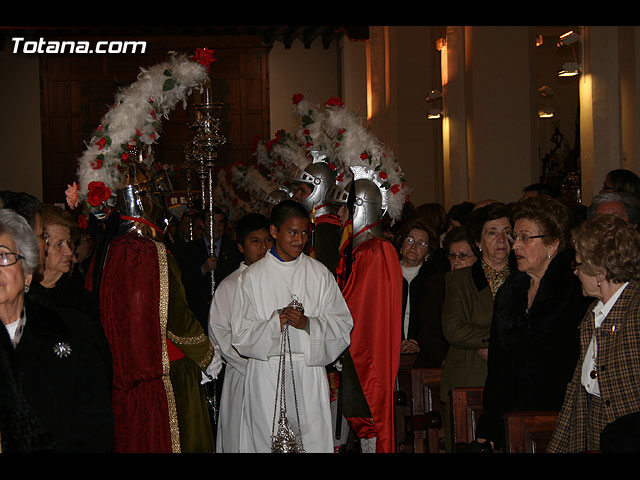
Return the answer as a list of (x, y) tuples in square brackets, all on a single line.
[(230, 409), (263, 288)]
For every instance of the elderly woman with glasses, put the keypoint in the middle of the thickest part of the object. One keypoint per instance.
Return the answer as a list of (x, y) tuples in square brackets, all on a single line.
[(468, 305), (63, 376), (534, 331), (605, 388), (422, 295), (460, 249)]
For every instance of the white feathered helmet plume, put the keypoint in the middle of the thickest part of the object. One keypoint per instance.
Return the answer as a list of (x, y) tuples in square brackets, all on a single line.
[(356, 146), (133, 124)]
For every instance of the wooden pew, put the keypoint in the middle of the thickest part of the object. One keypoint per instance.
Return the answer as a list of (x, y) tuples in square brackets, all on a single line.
[(529, 432), (466, 408), (402, 404), (427, 410)]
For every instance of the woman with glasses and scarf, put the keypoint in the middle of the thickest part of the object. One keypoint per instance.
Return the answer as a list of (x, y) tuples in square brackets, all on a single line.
[(533, 344), (422, 296), (468, 306)]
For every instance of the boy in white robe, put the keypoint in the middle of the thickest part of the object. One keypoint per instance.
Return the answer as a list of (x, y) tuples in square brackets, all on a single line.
[(254, 240), (318, 335)]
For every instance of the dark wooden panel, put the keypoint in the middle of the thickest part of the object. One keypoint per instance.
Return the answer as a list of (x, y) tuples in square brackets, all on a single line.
[(77, 90)]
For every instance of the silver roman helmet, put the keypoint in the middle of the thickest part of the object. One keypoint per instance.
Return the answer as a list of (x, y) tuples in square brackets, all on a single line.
[(369, 201), (319, 176), (141, 203)]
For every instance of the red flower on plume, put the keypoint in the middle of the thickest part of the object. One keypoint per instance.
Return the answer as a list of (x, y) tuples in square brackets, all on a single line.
[(83, 223), (383, 175), (306, 132), (341, 131), (101, 142), (395, 188), (204, 56), (97, 163), (297, 97), (308, 145), (340, 177), (124, 157), (334, 102), (98, 193), (332, 166), (364, 156)]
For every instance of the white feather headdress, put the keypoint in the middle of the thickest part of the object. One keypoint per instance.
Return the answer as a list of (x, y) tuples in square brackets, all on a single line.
[(133, 123)]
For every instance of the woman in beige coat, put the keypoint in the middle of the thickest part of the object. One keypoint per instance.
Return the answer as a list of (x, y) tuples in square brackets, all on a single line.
[(468, 305)]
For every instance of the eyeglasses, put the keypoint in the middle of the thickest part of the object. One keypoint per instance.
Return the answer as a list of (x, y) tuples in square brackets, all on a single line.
[(413, 241), (44, 236), (523, 237), (9, 258), (461, 256)]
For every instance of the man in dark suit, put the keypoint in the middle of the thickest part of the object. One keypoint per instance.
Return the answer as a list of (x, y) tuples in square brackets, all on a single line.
[(198, 258)]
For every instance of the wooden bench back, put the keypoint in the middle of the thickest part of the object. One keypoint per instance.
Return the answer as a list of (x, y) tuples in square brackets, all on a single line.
[(466, 407), (529, 432)]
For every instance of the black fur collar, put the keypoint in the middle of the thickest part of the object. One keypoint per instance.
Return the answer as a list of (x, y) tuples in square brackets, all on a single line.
[(559, 291)]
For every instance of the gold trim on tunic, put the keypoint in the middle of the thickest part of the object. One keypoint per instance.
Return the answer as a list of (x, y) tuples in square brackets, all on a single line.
[(204, 363), (166, 365)]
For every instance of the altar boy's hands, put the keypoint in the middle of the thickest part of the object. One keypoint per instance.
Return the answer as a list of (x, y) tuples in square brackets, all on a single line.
[(293, 317)]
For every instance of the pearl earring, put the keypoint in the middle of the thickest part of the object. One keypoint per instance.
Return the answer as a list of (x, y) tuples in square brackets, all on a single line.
[(26, 287)]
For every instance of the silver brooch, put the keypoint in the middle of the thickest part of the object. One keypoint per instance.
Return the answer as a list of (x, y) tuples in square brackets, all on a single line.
[(62, 349)]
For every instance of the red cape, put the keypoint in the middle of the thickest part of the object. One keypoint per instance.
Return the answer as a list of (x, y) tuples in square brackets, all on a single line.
[(130, 296), (374, 296)]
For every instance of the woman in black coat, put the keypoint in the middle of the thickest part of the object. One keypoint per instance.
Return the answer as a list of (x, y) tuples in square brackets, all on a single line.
[(57, 363), (534, 343), (423, 268)]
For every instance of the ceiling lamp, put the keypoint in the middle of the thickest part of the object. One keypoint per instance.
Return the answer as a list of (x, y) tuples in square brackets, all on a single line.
[(434, 112), (546, 112), (569, 69), (568, 38), (546, 92)]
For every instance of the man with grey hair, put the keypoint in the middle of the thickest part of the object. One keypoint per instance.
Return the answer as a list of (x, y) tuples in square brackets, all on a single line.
[(617, 203)]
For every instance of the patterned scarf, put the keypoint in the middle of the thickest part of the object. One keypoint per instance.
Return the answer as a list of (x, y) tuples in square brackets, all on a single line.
[(495, 278)]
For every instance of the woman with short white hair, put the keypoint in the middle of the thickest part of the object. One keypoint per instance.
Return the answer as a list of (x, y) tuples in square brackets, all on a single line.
[(64, 377), (19, 256)]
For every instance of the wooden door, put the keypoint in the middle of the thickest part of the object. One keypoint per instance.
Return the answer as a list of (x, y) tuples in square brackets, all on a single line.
[(77, 89)]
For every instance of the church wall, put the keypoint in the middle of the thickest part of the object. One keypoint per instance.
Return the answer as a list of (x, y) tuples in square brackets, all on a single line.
[(20, 146)]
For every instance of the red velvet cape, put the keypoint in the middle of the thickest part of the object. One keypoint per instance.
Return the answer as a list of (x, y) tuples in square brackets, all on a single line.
[(374, 296), (130, 300)]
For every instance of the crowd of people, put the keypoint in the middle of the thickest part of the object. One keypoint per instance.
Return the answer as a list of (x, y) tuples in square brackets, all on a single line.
[(177, 341)]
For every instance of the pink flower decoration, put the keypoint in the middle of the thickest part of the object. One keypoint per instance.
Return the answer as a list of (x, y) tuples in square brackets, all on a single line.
[(72, 195)]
